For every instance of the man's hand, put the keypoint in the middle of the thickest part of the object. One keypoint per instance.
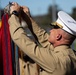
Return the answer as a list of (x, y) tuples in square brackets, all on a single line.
[(15, 7), (26, 10)]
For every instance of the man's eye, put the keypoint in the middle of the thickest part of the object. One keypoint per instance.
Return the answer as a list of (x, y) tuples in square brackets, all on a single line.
[(56, 27)]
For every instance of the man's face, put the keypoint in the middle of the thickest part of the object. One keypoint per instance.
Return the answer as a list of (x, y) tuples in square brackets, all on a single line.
[(53, 35)]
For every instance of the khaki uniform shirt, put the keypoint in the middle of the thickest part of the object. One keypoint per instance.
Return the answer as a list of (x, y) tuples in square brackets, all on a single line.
[(52, 61)]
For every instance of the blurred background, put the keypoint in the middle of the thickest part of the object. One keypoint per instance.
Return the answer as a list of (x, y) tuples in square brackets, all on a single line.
[(44, 11)]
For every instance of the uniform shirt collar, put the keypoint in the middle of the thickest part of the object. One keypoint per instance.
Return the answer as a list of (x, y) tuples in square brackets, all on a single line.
[(61, 48)]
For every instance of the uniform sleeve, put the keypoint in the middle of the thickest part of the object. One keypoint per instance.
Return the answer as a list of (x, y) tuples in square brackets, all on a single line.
[(42, 56), (41, 34)]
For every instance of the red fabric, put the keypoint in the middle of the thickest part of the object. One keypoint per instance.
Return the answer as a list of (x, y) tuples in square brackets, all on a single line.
[(1, 60), (6, 47)]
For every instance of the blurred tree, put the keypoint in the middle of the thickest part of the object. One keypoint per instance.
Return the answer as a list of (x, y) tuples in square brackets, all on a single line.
[(74, 13), (1, 13), (46, 19), (50, 9)]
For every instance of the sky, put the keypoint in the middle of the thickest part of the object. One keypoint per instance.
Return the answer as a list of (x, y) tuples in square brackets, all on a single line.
[(39, 7)]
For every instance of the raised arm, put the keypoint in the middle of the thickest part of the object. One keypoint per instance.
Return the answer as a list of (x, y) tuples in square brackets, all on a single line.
[(35, 52), (39, 32)]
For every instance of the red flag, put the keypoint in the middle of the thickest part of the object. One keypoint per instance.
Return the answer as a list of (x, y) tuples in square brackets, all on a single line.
[(6, 47), (1, 60)]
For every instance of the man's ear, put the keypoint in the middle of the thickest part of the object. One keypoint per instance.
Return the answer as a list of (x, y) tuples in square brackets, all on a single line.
[(59, 36)]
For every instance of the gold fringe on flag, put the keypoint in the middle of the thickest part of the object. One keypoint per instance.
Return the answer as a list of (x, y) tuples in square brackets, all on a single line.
[(0, 23)]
